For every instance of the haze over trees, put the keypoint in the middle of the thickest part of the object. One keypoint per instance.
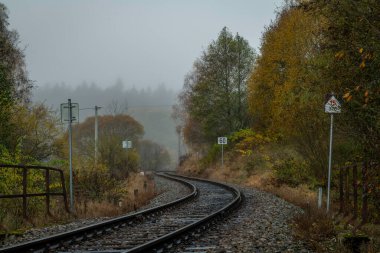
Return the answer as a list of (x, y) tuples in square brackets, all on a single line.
[(151, 107)]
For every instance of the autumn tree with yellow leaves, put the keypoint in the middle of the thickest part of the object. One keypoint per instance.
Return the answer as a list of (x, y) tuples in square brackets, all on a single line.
[(285, 91), (350, 39)]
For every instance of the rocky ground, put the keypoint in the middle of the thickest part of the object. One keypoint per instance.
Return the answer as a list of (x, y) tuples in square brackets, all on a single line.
[(261, 225)]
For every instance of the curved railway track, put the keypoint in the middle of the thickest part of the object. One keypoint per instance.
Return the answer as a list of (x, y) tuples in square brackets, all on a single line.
[(150, 230)]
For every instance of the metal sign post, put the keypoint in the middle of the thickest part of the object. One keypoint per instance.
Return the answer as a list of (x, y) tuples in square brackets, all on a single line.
[(127, 145), (222, 141), (71, 159), (70, 114), (332, 106)]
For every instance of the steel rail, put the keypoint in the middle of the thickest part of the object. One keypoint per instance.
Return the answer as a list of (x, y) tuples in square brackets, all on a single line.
[(54, 241), (158, 245)]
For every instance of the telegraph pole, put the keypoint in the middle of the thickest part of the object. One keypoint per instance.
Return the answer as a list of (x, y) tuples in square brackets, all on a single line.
[(96, 133), (96, 108), (178, 130)]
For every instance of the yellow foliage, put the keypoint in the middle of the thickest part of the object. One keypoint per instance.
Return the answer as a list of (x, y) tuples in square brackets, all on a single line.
[(347, 96), (339, 55), (280, 82)]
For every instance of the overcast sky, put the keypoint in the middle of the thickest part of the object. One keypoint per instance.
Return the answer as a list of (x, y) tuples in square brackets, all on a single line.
[(142, 42)]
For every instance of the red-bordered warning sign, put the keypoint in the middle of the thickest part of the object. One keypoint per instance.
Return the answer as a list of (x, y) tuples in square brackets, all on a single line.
[(333, 105)]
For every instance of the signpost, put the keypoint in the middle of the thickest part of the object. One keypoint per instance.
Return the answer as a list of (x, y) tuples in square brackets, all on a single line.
[(70, 113), (332, 106), (222, 141), (127, 145)]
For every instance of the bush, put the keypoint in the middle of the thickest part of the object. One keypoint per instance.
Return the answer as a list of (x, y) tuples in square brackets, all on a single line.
[(292, 172), (212, 156), (246, 141)]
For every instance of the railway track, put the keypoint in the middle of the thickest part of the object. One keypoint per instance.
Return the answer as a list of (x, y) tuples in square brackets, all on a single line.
[(151, 230)]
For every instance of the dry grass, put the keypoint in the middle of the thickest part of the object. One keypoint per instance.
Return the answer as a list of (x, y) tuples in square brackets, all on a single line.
[(300, 196), (139, 191), (316, 227)]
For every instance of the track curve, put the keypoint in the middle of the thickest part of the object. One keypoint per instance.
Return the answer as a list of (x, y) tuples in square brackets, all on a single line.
[(150, 230)]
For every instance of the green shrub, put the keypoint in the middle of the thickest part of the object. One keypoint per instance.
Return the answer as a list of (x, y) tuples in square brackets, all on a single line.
[(212, 156), (292, 172)]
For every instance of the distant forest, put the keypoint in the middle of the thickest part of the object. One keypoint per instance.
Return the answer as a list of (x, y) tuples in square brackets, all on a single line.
[(89, 94), (150, 106)]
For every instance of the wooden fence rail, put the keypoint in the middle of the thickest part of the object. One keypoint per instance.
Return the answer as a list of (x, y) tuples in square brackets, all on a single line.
[(47, 178)]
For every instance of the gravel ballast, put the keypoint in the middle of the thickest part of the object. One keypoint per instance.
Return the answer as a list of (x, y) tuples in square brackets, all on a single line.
[(260, 225)]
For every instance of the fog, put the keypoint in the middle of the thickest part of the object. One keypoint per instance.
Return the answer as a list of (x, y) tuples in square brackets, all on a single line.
[(109, 52), (116, 95), (151, 107), (144, 43)]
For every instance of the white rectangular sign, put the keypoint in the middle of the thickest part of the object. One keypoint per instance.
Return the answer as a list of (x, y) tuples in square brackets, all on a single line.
[(74, 112), (222, 140), (127, 144)]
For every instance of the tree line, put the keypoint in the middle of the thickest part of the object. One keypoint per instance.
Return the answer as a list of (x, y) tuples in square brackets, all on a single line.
[(311, 48)]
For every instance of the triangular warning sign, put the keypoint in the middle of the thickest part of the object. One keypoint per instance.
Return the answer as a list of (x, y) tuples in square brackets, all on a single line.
[(333, 105)]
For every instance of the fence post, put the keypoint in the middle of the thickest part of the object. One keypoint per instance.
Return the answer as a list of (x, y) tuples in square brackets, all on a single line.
[(347, 190), (364, 194), (320, 196), (341, 193), (355, 186), (24, 190), (64, 191), (47, 185)]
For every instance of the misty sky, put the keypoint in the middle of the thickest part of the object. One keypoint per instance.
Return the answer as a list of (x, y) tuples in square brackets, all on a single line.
[(142, 42)]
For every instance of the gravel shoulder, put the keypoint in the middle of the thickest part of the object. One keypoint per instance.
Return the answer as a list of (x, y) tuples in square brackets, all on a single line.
[(260, 225)]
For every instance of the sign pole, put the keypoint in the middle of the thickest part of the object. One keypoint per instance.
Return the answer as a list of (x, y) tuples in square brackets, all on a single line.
[(330, 158), (332, 106), (70, 158), (222, 141), (222, 155)]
